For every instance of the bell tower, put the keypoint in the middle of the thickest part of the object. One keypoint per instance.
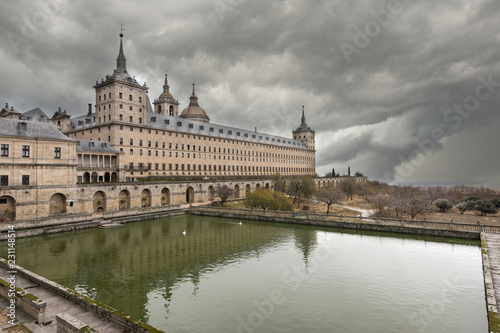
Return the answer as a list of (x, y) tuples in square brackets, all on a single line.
[(119, 97), (304, 133), (166, 104)]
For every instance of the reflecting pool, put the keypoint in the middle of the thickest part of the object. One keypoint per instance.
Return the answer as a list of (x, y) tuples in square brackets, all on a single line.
[(224, 275)]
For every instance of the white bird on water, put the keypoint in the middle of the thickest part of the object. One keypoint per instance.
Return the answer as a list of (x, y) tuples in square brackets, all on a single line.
[(184, 232), (240, 222)]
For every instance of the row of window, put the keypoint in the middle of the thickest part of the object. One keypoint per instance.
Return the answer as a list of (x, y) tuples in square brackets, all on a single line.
[(4, 180), (205, 167), (199, 138), (221, 150), (130, 108), (120, 95), (4, 151)]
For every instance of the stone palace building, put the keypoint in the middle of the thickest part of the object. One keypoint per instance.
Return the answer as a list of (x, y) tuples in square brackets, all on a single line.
[(47, 163)]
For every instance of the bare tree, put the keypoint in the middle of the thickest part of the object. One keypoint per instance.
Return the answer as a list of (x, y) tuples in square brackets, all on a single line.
[(433, 193), (379, 203), (329, 195), (406, 200), (224, 193)]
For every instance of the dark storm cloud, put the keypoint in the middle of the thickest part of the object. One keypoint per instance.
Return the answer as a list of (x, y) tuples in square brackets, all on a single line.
[(256, 63)]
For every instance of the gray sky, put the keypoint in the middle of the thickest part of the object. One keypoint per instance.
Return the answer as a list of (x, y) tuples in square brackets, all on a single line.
[(404, 91)]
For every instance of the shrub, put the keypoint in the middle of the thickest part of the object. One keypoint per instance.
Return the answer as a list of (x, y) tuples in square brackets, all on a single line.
[(496, 202), (306, 207), (443, 205), (484, 207)]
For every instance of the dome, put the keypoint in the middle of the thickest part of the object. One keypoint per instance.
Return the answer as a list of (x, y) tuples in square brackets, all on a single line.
[(194, 111)]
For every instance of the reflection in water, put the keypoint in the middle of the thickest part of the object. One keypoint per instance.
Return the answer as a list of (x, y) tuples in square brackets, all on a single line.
[(218, 275)]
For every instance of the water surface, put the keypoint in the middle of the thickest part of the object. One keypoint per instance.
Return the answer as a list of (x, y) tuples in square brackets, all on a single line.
[(223, 276)]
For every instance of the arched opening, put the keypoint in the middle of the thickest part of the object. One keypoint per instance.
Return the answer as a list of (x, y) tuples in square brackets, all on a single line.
[(267, 186), (86, 178), (165, 197), (159, 108), (57, 204), (211, 193), (190, 195), (124, 199), (94, 177), (171, 110), (114, 177), (257, 186), (107, 177), (7, 208), (247, 189), (237, 191), (146, 198), (99, 201)]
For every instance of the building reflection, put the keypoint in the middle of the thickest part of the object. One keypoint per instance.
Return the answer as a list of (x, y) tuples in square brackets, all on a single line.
[(121, 266)]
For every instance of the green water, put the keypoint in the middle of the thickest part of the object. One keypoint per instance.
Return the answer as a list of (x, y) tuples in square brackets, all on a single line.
[(223, 276)]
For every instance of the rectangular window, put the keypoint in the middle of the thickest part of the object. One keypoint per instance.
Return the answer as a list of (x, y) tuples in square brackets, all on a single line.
[(120, 95), (5, 150), (131, 152), (26, 180), (131, 119), (4, 180), (129, 97), (140, 99), (131, 142), (57, 152), (140, 120), (26, 151)]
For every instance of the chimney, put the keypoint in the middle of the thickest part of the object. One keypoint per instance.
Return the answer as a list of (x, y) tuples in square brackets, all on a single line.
[(90, 110), (255, 129)]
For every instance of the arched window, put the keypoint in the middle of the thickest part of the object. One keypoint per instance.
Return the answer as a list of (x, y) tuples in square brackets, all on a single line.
[(171, 110), (159, 108)]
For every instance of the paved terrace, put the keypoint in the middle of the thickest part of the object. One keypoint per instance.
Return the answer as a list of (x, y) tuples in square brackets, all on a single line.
[(55, 305)]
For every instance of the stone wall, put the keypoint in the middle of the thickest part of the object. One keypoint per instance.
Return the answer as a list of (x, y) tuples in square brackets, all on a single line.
[(35, 202)]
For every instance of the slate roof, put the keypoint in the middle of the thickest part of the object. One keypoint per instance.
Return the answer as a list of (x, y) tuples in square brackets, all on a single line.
[(94, 146), (34, 115), (159, 121), (34, 129)]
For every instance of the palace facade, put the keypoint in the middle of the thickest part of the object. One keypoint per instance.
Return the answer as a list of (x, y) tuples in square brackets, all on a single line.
[(47, 163), (155, 140)]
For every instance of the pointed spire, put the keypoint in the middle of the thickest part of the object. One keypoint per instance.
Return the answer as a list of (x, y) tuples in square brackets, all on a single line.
[(193, 98), (121, 62), (166, 87), (303, 122)]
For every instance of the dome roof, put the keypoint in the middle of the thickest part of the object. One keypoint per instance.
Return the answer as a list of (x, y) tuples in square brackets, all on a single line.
[(194, 111)]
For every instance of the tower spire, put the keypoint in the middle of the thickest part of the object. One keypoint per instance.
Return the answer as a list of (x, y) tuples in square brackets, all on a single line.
[(193, 98), (121, 61), (303, 122), (166, 87)]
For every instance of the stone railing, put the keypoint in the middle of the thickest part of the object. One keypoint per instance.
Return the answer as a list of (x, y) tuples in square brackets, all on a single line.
[(311, 215)]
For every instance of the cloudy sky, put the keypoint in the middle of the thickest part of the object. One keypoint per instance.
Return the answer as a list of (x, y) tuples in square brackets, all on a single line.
[(401, 90)]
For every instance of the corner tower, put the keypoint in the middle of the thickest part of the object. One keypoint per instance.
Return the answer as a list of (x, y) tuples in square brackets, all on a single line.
[(166, 104), (119, 97), (304, 133)]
